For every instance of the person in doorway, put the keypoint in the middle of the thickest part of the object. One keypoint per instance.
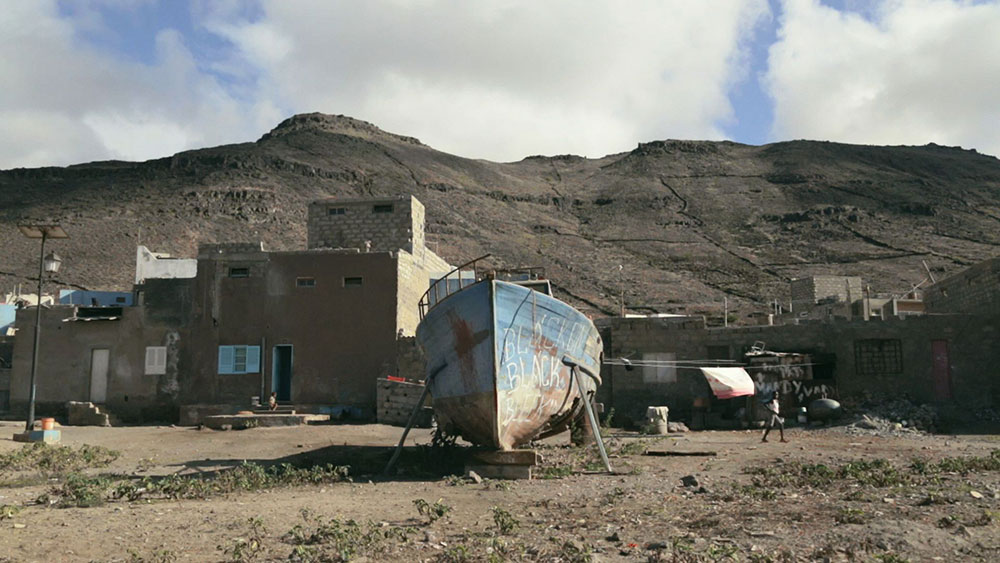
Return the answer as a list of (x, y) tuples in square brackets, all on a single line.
[(773, 408), (272, 401)]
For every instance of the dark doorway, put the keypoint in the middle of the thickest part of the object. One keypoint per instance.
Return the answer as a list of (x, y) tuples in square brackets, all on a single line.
[(281, 374), (942, 370)]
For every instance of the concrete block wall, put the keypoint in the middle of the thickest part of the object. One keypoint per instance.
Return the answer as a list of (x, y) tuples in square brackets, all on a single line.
[(396, 401), (389, 224), (975, 291), (410, 360), (4, 389), (807, 291), (973, 358), (631, 338)]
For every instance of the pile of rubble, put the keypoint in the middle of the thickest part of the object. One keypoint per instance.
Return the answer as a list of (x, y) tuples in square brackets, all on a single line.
[(896, 417)]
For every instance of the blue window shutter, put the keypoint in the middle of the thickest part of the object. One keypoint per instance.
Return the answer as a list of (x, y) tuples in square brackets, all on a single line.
[(226, 357), (253, 359)]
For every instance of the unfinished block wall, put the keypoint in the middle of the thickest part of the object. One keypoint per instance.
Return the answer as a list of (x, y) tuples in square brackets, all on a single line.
[(809, 291), (388, 224), (975, 291)]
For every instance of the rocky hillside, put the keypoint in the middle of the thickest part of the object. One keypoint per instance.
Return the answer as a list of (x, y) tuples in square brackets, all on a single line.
[(690, 221)]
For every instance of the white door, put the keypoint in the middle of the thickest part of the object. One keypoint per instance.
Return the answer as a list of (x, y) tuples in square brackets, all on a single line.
[(99, 375)]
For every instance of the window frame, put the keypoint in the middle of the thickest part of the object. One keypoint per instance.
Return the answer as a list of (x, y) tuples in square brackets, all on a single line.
[(659, 374), (238, 272), (305, 281), (383, 208), (156, 360), (353, 281), (878, 356), (248, 356)]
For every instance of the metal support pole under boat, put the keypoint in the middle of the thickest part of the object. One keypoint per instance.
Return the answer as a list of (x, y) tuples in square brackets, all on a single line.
[(409, 424), (573, 365), (413, 418)]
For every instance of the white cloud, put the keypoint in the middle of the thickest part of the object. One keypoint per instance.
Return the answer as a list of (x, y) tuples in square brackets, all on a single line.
[(63, 101), (911, 72), (504, 80), (498, 80)]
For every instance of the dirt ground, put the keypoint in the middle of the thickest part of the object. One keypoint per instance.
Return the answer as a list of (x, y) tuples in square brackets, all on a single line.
[(825, 495)]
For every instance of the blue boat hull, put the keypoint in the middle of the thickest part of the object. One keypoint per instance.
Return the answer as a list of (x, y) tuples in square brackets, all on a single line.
[(495, 365)]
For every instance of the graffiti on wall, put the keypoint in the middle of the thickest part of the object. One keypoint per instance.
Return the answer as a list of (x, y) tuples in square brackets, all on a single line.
[(791, 375), (802, 391)]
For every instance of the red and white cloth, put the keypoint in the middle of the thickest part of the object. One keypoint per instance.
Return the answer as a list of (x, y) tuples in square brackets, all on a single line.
[(727, 383)]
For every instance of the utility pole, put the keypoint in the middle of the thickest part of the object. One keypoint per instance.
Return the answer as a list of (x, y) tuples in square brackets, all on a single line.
[(621, 289)]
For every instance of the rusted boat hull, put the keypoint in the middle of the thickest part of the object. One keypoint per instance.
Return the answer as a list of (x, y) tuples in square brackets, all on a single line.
[(495, 365)]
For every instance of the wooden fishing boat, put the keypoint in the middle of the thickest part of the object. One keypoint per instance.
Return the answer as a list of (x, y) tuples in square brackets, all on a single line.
[(499, 351)]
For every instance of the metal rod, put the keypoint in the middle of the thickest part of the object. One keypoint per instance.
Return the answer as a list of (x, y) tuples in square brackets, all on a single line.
[(263, 371), (409, 424), (592, 419), (38, 330)]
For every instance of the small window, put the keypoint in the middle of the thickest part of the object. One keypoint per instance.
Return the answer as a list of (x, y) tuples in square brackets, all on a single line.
[(119, 299), (352, 282), (239, 272), (305, 282), (878, 357), (156, 360), (660, 368), (336, 210), (387, 208), (239, 359)]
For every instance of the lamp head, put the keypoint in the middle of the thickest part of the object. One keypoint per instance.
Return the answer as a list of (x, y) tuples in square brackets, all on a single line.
[(51, 263)]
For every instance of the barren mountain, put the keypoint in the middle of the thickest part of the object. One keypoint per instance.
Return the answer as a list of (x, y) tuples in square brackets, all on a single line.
[(690, 221)]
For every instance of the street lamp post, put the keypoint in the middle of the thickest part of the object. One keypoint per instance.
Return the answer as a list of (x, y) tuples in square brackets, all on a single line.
[(48, 264)]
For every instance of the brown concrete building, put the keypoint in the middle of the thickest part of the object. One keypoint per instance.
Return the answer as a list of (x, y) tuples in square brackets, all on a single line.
[(116, 356), (318, 326)]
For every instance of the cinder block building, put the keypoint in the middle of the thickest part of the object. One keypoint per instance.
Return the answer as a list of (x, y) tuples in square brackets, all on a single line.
[(975, 291), (949, 360), (807, 292)]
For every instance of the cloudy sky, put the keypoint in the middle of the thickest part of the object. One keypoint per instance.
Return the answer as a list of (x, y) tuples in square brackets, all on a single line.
[(84, 80)]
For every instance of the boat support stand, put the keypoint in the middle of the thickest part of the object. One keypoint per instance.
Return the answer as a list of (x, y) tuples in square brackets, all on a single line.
[(411, 421), (576, 368)]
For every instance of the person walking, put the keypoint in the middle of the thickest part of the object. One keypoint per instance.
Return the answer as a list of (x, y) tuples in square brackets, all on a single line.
[(773, 408)]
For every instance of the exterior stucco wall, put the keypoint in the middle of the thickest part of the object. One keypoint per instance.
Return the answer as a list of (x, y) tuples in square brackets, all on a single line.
[(342, 336), (150, 265), (65, 360)]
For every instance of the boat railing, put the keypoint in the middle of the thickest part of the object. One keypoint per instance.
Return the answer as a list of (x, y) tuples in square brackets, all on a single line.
[(523, 274), (442, 288)]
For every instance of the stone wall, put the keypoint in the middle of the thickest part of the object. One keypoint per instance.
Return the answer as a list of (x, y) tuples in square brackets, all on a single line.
[(975, 291), (388, 224)]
